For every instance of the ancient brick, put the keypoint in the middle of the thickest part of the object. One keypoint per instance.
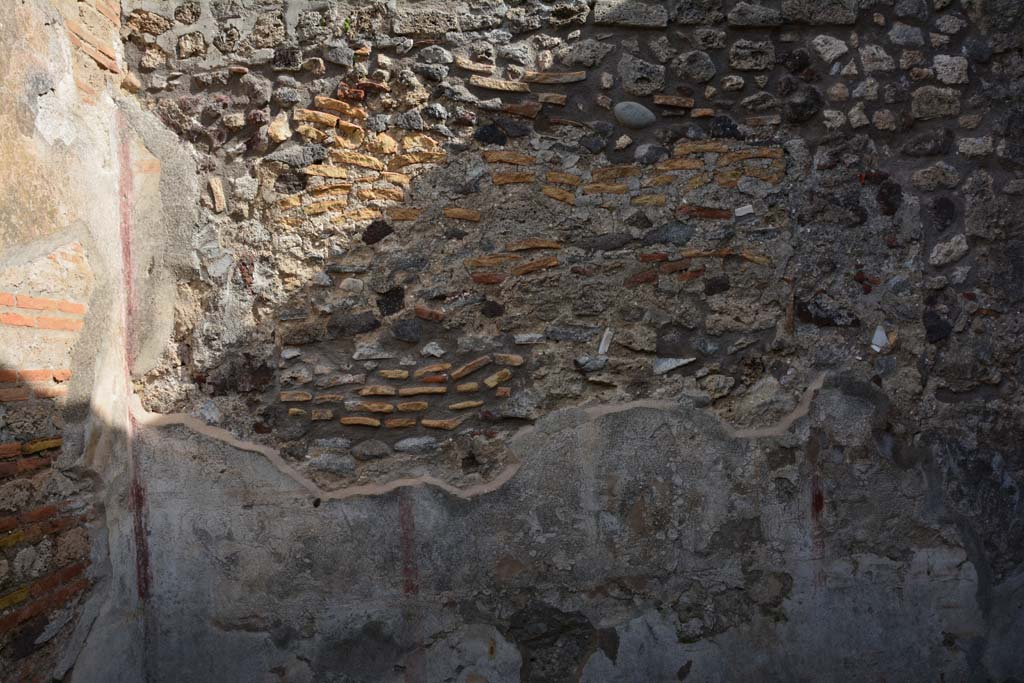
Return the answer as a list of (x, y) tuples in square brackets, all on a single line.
[(559, 194), (344, 156), (533, 243), (554, 77), (359, 421), (403, 160), (399, 214), (680, 164), (399, 422), (370, 407), (66, 324), (488, 278), (34, 304), (467, 388), (471, 367), (377, 390), (394, 374), (326, 171), (318, 117), (17, 320), (295, 396), (418, 391), (674, 101), (607, 173), (698, 147), (649, 200), (605, 188), (441, 424), (498, 84), (508, 157), (644, 277), (461, 214), (499, 377), (465, 405), (413, 406), (559, 177), (535, 265), (475, 67), (510, 359)]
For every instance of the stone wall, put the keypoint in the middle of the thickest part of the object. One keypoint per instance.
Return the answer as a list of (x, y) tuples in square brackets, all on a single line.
[(545, 341)]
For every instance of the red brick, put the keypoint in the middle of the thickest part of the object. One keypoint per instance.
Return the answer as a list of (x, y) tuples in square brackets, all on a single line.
[(644, 277), (488, 278), (8, 375), (674, 266), (14, 394), (38, 514), (32, 464), (690, 275), (652, 258), (49, 390), (10, 449), (7, 523), (704, 212), (6, 299), (34, 609), (60, 324), (428, 313), (36, 304), (17, 320), (61, 375), (35, 375), (71, 307), (39, 445)]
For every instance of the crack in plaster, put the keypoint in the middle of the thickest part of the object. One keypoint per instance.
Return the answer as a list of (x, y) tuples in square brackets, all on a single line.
[(147, 418)]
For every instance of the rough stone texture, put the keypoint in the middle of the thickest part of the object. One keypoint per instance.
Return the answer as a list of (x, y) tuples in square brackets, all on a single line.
[(529, 341)]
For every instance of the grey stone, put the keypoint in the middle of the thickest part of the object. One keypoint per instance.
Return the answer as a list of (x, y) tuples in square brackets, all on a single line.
[(663, 366), (339, 464), (417, 445), (674, 233), (931, 102), (828, 48), (751, 15), (339, 53), (697, 12), (750, 55), (587, 53), (648, 153), (906, 36), (948, 252), (695, 66), (874, 58), (589, 364), (371, 449), (640, 77), (634, 13), (820, 12), (633, 115), (951, 69)]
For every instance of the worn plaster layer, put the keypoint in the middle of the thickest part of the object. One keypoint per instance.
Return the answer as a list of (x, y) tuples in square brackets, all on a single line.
[(632, 544)]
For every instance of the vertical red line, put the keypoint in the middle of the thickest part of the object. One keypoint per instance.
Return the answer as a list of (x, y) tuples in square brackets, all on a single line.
[(137, 493), (415, 670)]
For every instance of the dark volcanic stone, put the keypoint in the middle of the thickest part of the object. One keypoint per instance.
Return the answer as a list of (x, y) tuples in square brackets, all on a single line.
[(490, 135), (716, 285), (609, 242), (554, 644), (932, 143), (290, 183), (409, 330), (890, 196), (824, 312), (802, 105), (671, 233), (376, 231), (724, 127), (492, 309), (299, 156), (351, 324), (371, 449), (391, 301), (673, 341), (943, 210), (936, 328)]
